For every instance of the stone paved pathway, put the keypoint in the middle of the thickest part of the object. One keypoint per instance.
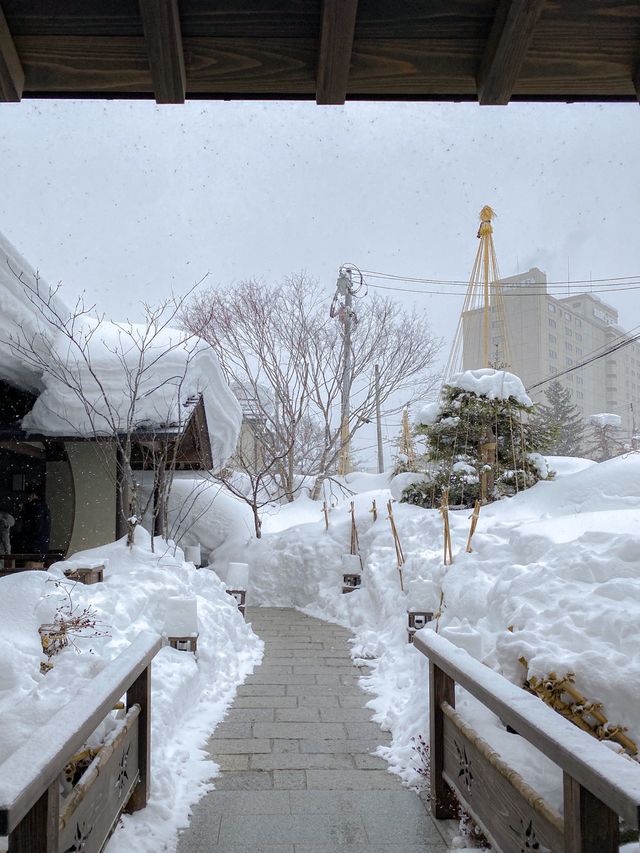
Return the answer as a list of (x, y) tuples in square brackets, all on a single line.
[(294, 750)]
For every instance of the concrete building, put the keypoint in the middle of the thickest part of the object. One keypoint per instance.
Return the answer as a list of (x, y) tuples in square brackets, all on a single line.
[(548, 334)]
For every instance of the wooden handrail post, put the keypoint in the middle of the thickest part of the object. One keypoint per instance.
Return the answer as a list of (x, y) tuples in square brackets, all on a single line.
[(140, 694), (37, 832), (590, 826), (441, 689)]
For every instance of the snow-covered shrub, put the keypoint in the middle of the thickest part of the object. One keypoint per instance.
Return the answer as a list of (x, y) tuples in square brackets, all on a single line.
[(478, 430)]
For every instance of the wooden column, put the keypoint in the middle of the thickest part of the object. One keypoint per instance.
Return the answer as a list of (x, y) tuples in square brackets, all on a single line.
[(441, 689), (163, 35), (509, 40), (140, 694), (336, 45), (37, 832), (11, 71), (589, 825)]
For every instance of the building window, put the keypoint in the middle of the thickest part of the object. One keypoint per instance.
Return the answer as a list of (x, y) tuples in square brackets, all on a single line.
[(567, 316), (578, 336), (578, 350), (579, 380), (579, 395), (552, 323), (568, 332), (552, 339), (568, 347), (553, 353), (568, 362), (551, 307), (578, 323)]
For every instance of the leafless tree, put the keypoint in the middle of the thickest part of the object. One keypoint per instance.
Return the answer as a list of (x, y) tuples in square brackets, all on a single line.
[(66, 349), (281, 346)]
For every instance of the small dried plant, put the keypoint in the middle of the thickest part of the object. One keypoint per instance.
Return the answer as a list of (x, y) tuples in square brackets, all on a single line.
[(422, 759), (70, 622)]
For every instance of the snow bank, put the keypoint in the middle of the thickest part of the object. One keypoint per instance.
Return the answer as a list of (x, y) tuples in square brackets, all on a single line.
[(493, 384), (189, 697), (556, 563), (170, 368)]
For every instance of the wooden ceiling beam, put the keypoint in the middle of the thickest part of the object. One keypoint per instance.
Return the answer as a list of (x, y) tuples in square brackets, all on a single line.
[(11, 71), (509, 39), (336, 46), (163, 35)]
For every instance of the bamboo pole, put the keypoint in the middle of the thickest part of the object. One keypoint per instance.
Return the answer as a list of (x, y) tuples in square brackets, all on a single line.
[(354, 530), (444, 512), (325, 512), (474, 523), (374, 510), (396, 542)]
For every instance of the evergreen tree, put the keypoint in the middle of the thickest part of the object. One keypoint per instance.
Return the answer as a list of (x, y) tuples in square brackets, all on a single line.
[(604, 437), (558, 423), (474, 441)]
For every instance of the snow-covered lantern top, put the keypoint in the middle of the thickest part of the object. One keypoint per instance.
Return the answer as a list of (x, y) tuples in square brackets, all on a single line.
[(181, 616), (238, 576)]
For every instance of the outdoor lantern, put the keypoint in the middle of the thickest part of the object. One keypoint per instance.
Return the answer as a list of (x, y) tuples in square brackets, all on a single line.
[(86, 574), (193, 554), (417, 619), (237, 583), (181, 622), (351, 581)]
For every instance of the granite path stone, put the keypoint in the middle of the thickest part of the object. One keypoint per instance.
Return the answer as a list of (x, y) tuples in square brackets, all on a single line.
[(295, 751)]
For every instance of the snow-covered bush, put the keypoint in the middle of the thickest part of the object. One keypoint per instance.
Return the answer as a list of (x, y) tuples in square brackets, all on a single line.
[(477, 433)]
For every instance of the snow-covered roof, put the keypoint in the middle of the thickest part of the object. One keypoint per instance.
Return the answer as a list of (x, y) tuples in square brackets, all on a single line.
[(171, 368), (493, 384)]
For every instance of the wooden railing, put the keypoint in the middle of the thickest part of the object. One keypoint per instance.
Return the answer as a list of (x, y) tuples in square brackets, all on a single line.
[(32, 812), (599, 785)]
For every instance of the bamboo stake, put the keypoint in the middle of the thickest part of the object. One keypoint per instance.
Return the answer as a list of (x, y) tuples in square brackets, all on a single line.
[(396, 542), (474, 523), (354, 530), (325, 512), (374, 510), (444, 512)]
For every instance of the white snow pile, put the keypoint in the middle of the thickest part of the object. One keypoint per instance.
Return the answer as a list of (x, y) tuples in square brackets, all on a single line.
[(557, 563), (427, 414), (189, 696), (605, 419), (492, 384)]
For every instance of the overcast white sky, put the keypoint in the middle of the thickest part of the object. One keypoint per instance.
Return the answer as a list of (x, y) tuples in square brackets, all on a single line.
[(129, 200)]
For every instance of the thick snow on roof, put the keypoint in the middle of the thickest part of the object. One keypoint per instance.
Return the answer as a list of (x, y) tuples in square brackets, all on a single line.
[(17, 313), (604, 419), (493, 384), (170, 371)]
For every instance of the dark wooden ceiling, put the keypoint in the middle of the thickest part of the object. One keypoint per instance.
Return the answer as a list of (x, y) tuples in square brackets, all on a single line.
[(328, 50)]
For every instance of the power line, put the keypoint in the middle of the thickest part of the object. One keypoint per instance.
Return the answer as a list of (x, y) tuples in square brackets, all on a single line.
[(465, 283), (618, 346), (537, 295)]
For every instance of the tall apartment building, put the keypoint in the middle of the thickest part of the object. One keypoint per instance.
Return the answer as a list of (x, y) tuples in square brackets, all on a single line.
[(548, 334)]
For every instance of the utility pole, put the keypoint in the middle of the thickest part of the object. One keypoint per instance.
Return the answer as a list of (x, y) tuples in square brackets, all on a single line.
[(379, 421), (342, 308), (345, 289)]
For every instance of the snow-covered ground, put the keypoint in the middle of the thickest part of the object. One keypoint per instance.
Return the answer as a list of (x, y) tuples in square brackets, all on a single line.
[(189, 697), (557, 563)]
